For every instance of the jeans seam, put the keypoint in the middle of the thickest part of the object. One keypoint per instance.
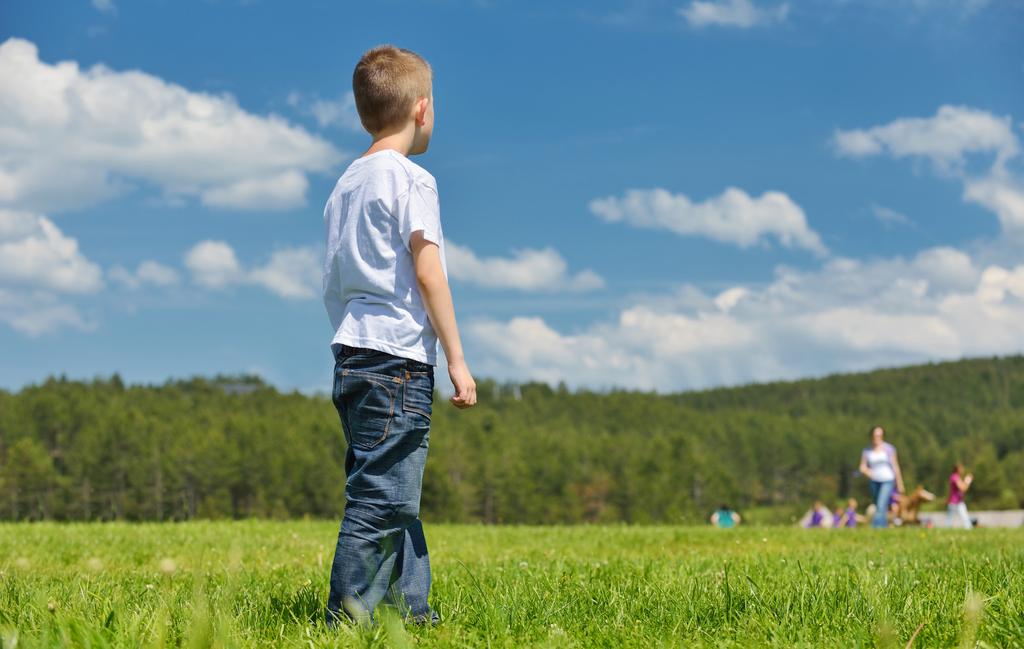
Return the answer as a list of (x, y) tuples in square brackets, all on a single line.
[(373, 375), (416, 410), (405, 394)]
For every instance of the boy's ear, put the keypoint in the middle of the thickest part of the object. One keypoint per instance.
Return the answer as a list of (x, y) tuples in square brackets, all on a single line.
[(420, 110)]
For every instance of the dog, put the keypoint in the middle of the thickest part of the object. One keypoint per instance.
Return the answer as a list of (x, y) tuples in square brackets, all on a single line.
[(907, 506)]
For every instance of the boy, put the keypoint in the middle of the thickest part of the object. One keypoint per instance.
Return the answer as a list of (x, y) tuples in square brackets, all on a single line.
[(386, 292)]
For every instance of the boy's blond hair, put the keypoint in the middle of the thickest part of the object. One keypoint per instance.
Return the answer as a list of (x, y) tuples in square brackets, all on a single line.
[(386, 83)]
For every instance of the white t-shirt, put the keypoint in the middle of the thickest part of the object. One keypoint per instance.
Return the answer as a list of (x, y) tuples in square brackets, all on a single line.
[(879, 464), (369, 282)]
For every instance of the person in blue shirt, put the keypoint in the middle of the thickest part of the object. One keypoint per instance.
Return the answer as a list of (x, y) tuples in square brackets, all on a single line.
[(725, 518)]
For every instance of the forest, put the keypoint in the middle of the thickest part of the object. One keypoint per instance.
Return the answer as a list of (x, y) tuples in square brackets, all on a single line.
[(235, 447)]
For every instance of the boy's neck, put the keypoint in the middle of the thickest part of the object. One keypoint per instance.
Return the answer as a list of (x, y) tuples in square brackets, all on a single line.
[(400, 141)]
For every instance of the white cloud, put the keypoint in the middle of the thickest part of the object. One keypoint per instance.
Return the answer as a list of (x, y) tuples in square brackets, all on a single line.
[(147, 272), (40, 268), (541, 270), (631, 352), (35, 313), (213, 264), (849, 315), (276, 192), (124, 277), (731, 217), (292, 273), (945, 139), (742, 14), (151, 272), (106, 6), (858, 329), (34, 253), (1004, 195), (998, 283), (73, 137), (729, 298), (642, 349), (890, 217), (947, 268), (965, 7), (340, 112)]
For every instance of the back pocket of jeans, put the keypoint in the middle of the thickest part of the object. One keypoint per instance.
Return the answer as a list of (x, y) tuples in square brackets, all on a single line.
[(418, 395), (371, 403)]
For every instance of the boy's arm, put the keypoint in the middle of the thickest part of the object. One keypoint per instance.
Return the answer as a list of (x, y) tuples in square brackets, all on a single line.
[(437, 298)]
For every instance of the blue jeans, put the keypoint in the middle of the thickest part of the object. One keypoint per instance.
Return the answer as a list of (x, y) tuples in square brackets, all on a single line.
[(881, 493), (384, 403), (958, 513)]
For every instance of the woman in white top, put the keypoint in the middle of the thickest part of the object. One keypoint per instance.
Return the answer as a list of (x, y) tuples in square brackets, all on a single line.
[(879, 463)]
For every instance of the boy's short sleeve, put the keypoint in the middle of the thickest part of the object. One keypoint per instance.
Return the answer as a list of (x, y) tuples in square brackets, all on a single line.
[(419, 210)]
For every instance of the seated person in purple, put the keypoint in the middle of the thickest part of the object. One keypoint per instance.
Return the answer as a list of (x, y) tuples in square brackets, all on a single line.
[(819, 516), (894, 507), (849, 516)]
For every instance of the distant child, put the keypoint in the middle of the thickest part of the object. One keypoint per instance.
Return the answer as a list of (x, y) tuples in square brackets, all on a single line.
[(956, 508), (819, 516), (848, 518), (386, 291), (725, 518)]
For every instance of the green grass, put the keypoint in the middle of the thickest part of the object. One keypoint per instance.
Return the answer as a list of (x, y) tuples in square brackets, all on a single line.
[(259, 584)]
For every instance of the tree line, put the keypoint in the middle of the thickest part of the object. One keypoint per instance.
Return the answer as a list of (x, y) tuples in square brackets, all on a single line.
[(234, 447)]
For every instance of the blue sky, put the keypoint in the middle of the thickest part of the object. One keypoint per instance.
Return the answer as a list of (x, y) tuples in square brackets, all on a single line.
[(659, 195)]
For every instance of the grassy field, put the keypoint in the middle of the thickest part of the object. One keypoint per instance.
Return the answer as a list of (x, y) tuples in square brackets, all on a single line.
[(257, 583)]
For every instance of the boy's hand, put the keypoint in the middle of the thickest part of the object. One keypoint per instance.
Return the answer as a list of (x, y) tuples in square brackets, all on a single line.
[(465, 386)]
